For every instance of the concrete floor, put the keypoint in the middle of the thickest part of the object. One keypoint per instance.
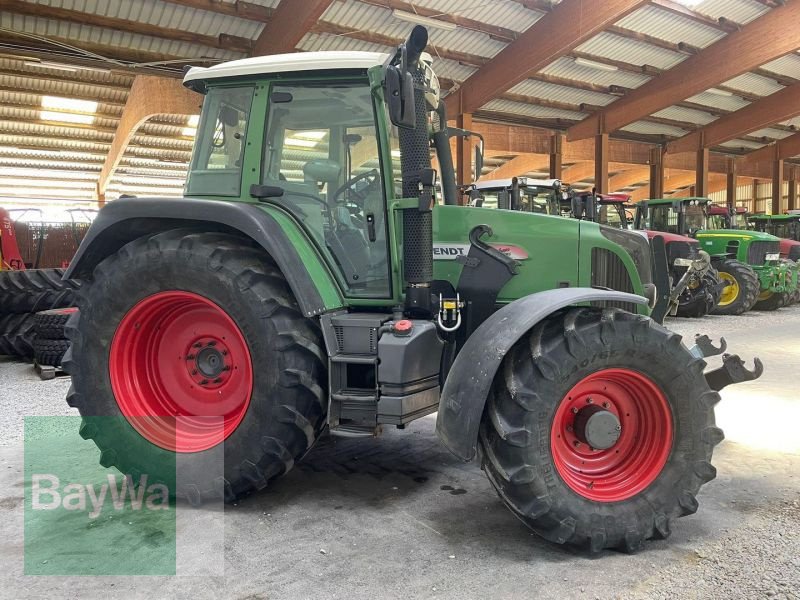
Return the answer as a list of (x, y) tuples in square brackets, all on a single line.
[(400, 517)]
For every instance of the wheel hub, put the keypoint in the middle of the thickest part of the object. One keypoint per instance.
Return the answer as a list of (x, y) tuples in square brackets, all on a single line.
[(208, 363), (597, 427)]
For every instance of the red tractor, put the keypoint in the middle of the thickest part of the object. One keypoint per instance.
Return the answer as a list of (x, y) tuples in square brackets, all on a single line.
[(10, 258)]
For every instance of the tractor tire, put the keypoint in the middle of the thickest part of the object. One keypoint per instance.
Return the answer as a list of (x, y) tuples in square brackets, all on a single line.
[(578, 363), (742, 294), (152, 339), (49, 352), (50, 323), (702, 303), (768, 301), (17, 333), (35, 290)]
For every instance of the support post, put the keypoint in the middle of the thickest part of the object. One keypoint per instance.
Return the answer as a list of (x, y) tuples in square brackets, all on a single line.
[(793, 190), (754, 199), (777, 186), (464, 151), (656, 172), (730, 188), (556, 144), (601, 163), (701, 180)]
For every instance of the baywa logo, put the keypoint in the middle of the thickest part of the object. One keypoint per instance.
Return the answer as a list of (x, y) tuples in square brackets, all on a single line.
[(117, 493)]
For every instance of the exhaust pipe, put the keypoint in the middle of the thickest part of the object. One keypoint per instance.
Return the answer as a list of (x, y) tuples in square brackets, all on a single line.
[(415, 157)]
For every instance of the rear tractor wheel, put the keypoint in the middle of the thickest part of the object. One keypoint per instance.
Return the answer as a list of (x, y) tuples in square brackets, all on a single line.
[(772, 300), (599, 429), (741, 293), (189, 352)]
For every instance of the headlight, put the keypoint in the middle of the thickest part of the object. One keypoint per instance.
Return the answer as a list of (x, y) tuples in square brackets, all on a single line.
[(683, 262), (773, 256)]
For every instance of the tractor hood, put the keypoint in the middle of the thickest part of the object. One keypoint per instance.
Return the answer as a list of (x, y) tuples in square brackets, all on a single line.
[(787, 245), (737, 234)]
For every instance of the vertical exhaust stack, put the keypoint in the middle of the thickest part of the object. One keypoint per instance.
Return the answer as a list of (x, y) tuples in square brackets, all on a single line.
[(415, 158)]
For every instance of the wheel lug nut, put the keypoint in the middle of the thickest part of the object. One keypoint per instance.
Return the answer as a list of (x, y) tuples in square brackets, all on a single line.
[(198, 345), (224, 353), (204, 382), (589, 401), (218, 380), (606, 405), (226, 368), (576, 443), (575, 410), (569, 427), (618, 428), (190, 357), (212, 344), (194, 371)]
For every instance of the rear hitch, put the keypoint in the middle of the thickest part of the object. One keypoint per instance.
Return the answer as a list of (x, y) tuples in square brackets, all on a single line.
[(703, 347), (732, 371)]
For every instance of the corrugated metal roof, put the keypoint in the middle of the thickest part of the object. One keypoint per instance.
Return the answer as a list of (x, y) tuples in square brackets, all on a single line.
[(109, 37), (532, 110), (615, 47), (679, 113), (560, 93), (738, 11), (739, 143), (62, 88), (792, 122), (163, 14), (649, 128), (503, 13), (730, 103), (788, 66), (668, 26), (776, 134), (754, 84), (567, 68)]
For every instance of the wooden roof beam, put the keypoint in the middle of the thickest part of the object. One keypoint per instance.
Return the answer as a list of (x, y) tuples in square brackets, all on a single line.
[(148, 96), (756, 43), (721, 24), (536, 48), (780, 106), (237, 8), (288, 24)]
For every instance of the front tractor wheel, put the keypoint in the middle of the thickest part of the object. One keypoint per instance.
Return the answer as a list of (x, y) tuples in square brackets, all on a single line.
[(772, 300), (599, 429), (192, 364), (741, 293)]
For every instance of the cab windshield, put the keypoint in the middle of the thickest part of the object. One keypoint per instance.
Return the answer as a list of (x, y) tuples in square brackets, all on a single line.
[(612, 215), (695, 217), (718, 222), (741, 221)]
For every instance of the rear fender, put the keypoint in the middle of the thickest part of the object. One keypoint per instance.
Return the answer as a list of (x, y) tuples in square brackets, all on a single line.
[(127, 219), (470, 378)]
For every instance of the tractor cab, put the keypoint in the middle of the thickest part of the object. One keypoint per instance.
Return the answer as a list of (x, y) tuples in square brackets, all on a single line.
[(786, 227), (613, 210), (543, 196), (721, 217)]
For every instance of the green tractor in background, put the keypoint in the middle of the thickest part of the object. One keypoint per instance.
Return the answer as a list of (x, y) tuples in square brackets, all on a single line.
[(748, 261), (308, 280), (787, 228)]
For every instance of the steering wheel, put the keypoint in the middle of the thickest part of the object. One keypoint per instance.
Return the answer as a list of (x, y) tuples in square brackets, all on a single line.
[(372, 177)]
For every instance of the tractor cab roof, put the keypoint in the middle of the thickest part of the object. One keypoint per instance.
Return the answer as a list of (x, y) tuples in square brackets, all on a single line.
[(774, 217), (493, 184), (618, 198), (690, 200), (283, 63)]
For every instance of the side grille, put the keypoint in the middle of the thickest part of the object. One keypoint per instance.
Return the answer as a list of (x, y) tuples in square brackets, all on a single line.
[(608, 271), (757, 252), (678, 250)]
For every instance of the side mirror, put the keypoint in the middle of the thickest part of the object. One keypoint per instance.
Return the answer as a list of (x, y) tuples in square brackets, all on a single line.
[(577, 207), (478, 161), (591, 207), (400, 97)]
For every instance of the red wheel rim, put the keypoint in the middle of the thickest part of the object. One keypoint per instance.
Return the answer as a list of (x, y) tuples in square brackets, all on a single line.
[(181, 371), (645, 436)]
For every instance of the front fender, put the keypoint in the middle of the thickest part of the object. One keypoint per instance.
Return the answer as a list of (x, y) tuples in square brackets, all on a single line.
[(127, 219), (470, 378)]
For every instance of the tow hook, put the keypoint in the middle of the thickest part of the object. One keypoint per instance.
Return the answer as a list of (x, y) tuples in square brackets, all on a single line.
[(703, 347), (732, 371)]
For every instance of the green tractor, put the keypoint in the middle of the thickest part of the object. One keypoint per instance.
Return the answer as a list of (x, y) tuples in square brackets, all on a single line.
[(748, 261), (787, 228), (308, 280)]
